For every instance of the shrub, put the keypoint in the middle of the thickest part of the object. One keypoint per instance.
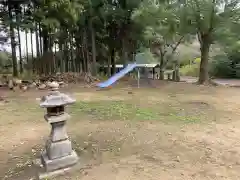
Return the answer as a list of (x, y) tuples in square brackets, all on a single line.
[(184, 62), (225, 66), (197, 60), (191, 69), (238, 70), (220, 66)]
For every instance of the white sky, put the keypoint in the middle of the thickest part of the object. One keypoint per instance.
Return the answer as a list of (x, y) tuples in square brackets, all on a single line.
[(23, 44)]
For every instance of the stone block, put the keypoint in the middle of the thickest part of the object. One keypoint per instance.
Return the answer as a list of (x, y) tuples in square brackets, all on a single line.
[(59, 163), (54, 119), (42, 175), (58, 149), (58, 132)]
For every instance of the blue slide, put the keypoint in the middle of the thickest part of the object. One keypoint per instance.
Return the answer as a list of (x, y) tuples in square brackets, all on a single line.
[(117, 76)]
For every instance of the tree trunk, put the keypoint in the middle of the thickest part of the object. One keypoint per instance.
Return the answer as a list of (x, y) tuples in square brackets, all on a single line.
[(37, 40), (87, 60), (20, 52), (13, 43), (83, 59), (61, 57), (52, 58), (85, 50), (26, 39), (203, 72), (161, 75), (33, 63), (45, 45), (73, 67), (124, 52), (19, 42), (177, 75), (40, 39), (113, 69), (31, 44), (94, 61), (109, 67), (79, 60), (66, 57)]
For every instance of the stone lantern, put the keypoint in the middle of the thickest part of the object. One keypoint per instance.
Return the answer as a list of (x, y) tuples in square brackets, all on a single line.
[(58, 153)]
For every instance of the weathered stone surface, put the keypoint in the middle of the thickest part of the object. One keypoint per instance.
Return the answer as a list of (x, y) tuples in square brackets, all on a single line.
[(24, 88), (42, 86), (10, 84), (58, 149), (53, 85), (55, 164), (60, 172), (56, 98), (54, 119)]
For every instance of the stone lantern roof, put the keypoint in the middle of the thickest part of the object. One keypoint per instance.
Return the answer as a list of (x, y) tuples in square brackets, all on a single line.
[(55, 98)]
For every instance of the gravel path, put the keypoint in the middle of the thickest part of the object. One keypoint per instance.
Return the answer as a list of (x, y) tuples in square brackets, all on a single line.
[(230, 82)]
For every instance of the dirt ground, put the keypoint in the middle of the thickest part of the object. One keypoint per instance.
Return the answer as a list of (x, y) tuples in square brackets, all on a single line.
[(176, 131)]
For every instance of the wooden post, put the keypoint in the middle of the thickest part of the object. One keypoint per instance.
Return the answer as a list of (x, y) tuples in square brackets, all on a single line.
[(138, 77), (169, 76), (153, 73)]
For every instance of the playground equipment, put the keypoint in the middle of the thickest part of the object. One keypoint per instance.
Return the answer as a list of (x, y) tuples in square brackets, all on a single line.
[(141, 71), (118, 75), (139, 64)]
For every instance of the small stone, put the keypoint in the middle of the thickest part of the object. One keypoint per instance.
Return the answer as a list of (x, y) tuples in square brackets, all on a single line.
[(19, 165), (37, 162), (10, 84), (32, 85), (61, 83), (178, 159), (1, 83), (42, 86), (53, 85), (85, 173), (85, 142), (17, 81), (48, 83), (24, 88)]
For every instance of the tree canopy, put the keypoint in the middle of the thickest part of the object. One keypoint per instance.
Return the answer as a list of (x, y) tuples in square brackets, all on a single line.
[(81, 35)]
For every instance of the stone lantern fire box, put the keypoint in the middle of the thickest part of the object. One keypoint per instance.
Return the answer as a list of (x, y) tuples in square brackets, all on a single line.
[(58, 153)]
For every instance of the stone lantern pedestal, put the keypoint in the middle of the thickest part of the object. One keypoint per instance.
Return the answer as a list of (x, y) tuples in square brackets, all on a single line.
[(58, 153)]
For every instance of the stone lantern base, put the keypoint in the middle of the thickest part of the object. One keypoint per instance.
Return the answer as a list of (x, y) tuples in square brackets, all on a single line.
[(58, 163), (42, 174)]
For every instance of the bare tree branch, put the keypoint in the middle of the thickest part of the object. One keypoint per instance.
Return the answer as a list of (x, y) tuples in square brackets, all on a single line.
[(198, 16), (174, 48), (211, 23)]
